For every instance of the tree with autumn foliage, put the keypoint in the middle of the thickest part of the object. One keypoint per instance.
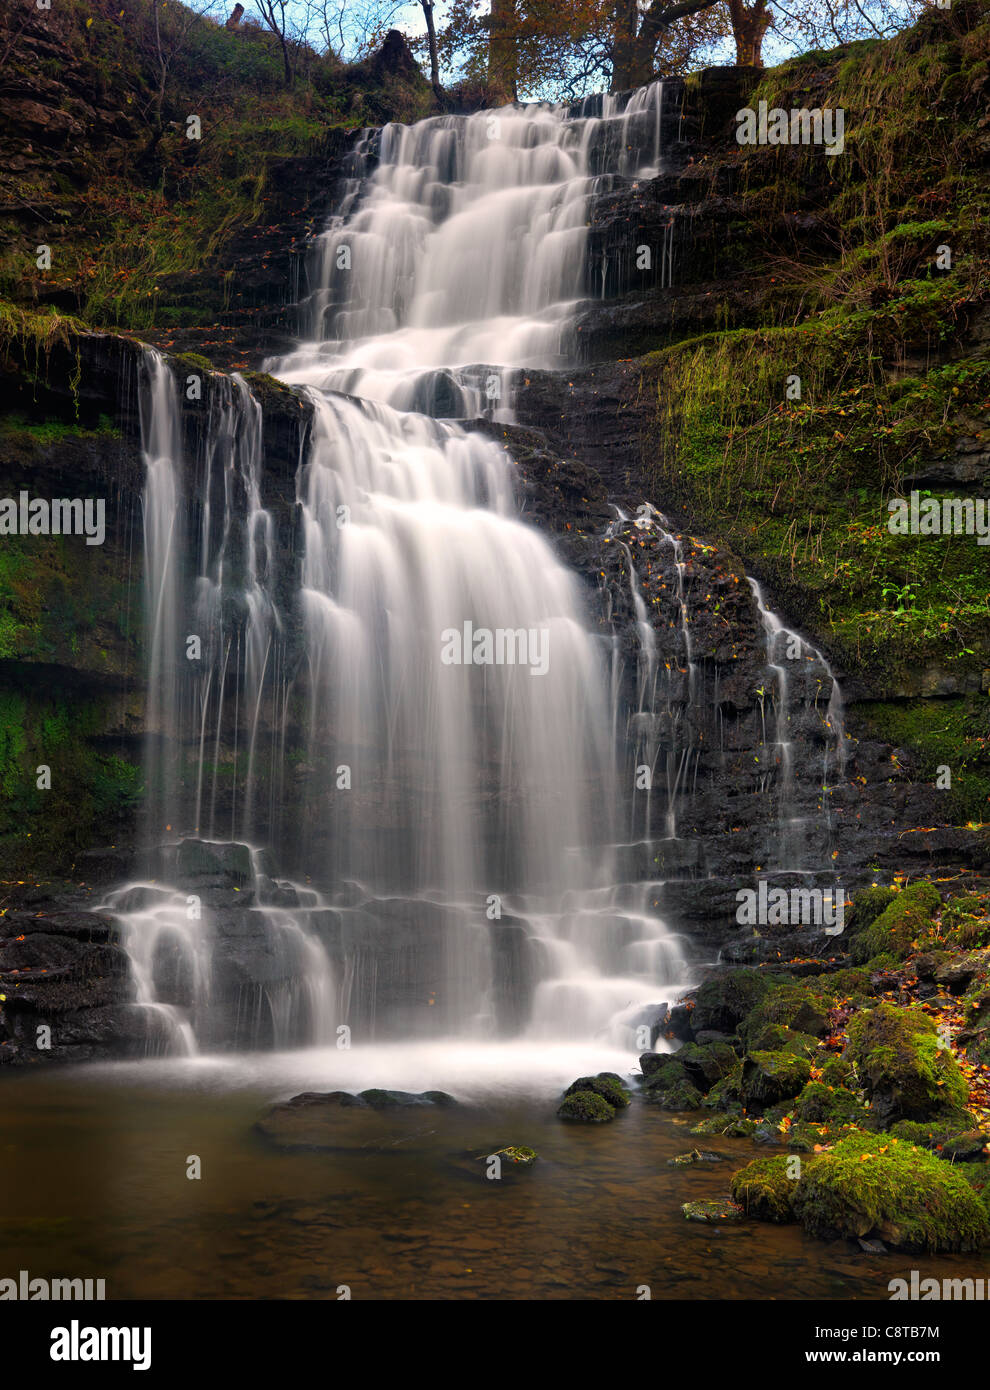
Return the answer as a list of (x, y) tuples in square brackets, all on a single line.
[(519, 49), (525, 49)]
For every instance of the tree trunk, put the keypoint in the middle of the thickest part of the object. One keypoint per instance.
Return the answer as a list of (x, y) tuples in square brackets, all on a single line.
[(623, 44), (635, 58), (502, 50), (748, 29), (431, 35)]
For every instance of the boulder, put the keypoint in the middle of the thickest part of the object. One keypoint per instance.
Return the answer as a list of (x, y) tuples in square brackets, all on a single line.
[(606, 1084), (585, 1107), (770, 1077), (904, 1071), (765, 1189), (875, 1185)]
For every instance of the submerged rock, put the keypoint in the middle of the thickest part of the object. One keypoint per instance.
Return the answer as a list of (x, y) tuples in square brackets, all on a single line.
[(517, 1156), (713, 1212), (379, 1099), (312, 1120), (695, 1156)]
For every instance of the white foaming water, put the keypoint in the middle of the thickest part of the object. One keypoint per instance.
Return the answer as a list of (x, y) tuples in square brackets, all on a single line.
[(465, 246), (455, 261)]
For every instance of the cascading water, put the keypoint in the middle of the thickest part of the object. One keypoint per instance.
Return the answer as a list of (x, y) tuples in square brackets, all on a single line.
[(802, 680), (458, 259), (446, 710), (462, 242), (416, 713)]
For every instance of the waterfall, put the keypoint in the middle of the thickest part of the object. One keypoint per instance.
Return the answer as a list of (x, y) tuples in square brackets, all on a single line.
[(389, 681), (459, 252), (425, 691)]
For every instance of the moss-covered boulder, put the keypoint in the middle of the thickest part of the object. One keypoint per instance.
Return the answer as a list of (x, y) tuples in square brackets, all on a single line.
[(974, 1035), (905, 1073), (704, 1065), (903, 921), (958, 972), (585, 1107), (824, 1104), (776, 1038), (764, 1189), (720, 1005), (966, 922), (651, 1062), (694, 1156), (948, 1139), (853, 983), (867, 906), (606, 1084), (671, 1090), (727, 1094), (969, 1147), (770, 1077), (836, 1071), (877, 1185), (791, 1005)]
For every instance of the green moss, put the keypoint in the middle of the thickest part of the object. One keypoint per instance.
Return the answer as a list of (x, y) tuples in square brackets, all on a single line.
[(48, 432), (776, 1038), (948, 1136), (605, 1084), (897, 929), (799, 488), (867, 906), (823, 1103), (965, 922), (587, 1107), (712, 1213), (727, 1094), (836, 1071), (93, 794), (902, 1068), (797, 1007), (952, 732), (192, 361), (706, 1064), (765, 1190), (769, 1077), (877, 1185), (670, 1088), (514, 1154), (735, 1127)]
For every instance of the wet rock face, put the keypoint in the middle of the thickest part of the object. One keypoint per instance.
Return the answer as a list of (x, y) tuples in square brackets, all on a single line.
[(65, 990)]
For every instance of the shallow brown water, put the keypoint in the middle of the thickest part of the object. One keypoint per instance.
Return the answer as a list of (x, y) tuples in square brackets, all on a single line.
[(93, 1168)]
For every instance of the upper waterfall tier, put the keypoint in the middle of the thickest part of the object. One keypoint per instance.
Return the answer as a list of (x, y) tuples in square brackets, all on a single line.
[(461, 241)]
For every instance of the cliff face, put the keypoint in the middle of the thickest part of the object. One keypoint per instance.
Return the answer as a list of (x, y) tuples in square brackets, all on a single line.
[(781, 266), (822, 351)]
